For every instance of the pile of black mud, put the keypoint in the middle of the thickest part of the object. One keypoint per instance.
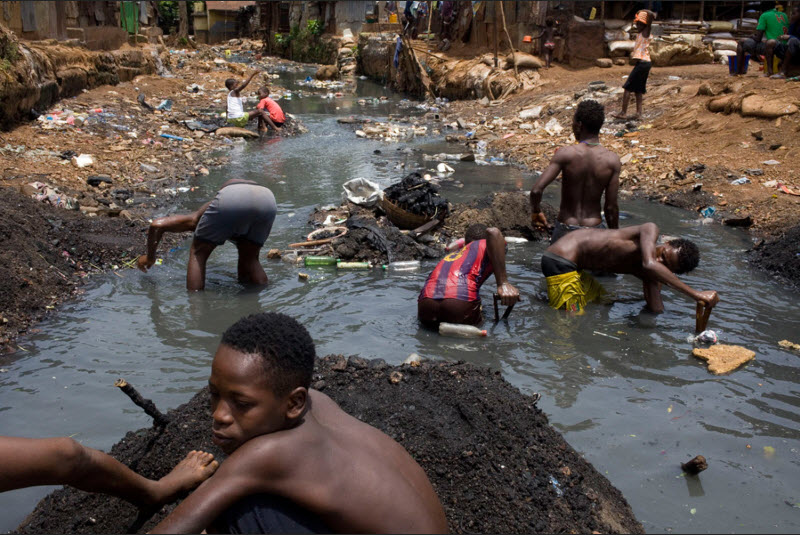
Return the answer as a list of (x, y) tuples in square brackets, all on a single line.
[(495, 462), (46, 253), (781, 256), (418, 196), (375, 239), (508, 211)]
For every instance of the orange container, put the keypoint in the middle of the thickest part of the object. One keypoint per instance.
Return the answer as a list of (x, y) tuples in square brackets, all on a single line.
[(527, 39)]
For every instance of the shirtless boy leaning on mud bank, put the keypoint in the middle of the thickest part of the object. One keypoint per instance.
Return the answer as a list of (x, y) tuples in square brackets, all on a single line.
[(631, 250), (590, 172), (297, 463)]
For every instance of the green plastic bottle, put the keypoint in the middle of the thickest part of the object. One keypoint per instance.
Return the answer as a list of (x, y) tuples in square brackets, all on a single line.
[(319, 261)]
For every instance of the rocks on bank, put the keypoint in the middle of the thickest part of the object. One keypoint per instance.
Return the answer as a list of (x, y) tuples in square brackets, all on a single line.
[(494, 460)]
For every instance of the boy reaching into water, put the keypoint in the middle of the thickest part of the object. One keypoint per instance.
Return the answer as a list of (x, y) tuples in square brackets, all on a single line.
[(452, 292), (275, 117), (236, 115), (29, 462), (297, 462), (637, 79), (631, 250)]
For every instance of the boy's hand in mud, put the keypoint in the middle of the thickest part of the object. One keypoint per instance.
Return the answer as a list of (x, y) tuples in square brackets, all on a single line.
[(144, 263), (539, 221), (709, 299), (508, 294)]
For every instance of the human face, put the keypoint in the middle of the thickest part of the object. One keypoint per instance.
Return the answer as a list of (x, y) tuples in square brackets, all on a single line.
[(243, 405), (668, 255)]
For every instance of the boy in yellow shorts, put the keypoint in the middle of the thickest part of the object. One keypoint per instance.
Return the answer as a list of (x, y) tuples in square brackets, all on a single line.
[(631, 250)]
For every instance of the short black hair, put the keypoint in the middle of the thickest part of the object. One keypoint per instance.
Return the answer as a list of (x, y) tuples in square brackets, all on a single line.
[(230, 83), (476, 232), (688, 255), (591, 115), (549, 21), (285, 347)]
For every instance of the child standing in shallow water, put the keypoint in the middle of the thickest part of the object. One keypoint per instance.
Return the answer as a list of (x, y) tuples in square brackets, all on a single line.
[(637, 80)]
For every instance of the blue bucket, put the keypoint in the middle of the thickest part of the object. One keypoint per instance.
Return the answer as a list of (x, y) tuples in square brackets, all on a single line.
[(732, 63)]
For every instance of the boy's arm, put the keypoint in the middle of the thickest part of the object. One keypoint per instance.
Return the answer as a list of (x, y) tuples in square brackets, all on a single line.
[(550, 173), (175, 223), (655, 271), (252, 469), (245, 82), (495, 248), (610, 206)]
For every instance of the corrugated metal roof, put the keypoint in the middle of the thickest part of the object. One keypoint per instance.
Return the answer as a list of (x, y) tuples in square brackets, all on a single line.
[(227, 6)]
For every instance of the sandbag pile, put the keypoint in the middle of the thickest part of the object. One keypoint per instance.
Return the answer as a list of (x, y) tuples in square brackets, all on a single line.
[(418, 196)]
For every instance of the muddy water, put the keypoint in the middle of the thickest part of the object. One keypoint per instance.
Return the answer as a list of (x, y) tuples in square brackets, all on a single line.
[(618, 382)]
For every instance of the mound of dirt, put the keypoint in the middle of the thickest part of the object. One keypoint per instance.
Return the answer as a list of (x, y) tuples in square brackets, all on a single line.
[(494, 460), (379, 241), (509, 211), (46, 253), (781, 256)]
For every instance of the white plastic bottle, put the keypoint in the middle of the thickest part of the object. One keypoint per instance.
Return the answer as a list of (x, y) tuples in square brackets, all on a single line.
[(463, 331), (407, 265)]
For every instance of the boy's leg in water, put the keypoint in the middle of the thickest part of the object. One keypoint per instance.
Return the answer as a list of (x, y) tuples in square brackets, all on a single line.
[(250, 270), (26, 462), (196, 270)]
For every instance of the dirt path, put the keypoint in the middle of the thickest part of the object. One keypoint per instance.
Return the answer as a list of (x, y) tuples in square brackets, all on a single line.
[(495, 462)]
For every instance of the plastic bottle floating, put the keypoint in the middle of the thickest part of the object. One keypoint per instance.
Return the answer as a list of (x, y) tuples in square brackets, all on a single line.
[(319, 261), (463, 331), (353, 265), (408, 265)]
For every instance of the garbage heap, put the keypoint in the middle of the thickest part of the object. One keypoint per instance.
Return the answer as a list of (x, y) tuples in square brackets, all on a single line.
[(418, 196)]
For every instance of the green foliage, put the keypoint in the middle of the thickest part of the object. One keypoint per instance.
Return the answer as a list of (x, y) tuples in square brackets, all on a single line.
[(314, 27), (183, 41), (281, 39), (168, 17), (294, 32)]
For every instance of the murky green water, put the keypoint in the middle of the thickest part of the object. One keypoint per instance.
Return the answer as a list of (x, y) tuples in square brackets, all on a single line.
[(618, 382)]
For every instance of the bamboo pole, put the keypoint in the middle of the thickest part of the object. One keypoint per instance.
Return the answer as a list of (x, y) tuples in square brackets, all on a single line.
[(496, 39), (511, 44), (702, 9)]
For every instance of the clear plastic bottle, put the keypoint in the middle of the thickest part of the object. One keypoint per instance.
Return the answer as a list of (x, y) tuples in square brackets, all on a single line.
[(319, 261), (407, 265), (464, 331)]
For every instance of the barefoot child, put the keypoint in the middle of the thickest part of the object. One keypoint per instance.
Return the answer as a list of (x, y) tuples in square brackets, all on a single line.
[(637, 80), (275, 116), (236, 114), (549, 34), (28, 462), (297, 462)]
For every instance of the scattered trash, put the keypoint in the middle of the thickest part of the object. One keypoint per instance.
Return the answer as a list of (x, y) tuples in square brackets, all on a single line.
[(416, 196), (96, 180), (514, 239), (165, 105), (463, 331), (444, 169), (407, 265), (695, 466), (770, 184), (724, 358), (708, 211), (789, 345), (302, 276), (769, 452), (771, 162), (362, 192), (557, 486), (147, 168), (705, 337), (170, 136), (353, 265), (740, 181), (50, 195), (413, 360), (84, 160), (788, 191)]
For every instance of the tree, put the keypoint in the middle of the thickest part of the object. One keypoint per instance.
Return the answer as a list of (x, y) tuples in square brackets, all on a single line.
[(183, 16)]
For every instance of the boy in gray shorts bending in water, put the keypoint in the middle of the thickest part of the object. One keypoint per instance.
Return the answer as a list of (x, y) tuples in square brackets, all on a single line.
[(242, 212)]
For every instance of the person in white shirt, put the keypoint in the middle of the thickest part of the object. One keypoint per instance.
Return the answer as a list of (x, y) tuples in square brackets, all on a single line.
[(236, 114)]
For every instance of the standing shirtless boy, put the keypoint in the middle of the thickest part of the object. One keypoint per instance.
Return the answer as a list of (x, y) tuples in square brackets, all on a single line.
[(590, 172), (297, 462)]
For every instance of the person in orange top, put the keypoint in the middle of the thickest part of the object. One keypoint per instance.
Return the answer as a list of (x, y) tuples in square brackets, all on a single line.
[(637, 80), (275, 117)]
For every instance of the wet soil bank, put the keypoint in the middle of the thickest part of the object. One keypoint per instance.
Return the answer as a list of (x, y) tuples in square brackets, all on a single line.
[(494, 460), (781, 256), (47, 253)]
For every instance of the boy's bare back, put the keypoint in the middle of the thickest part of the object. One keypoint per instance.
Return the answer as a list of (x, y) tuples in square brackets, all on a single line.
[(587, 172)]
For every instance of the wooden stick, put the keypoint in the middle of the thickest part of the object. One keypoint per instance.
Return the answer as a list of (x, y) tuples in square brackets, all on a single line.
[(513, 54), (701, 316), (149, 407), (312, 242)]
